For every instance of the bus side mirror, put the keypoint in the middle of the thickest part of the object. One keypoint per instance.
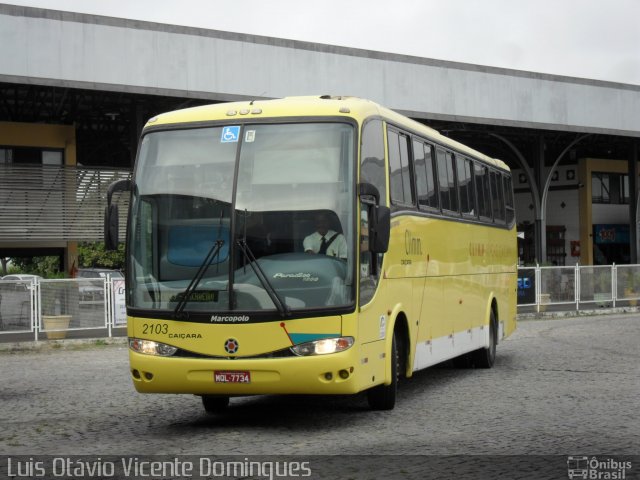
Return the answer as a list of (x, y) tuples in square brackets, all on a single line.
[(111, 227), (380, 219), (380, 229), (366, 189), (111, 217)]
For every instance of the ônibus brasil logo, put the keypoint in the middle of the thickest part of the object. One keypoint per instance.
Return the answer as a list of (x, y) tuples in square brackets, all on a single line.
[(596, 468)]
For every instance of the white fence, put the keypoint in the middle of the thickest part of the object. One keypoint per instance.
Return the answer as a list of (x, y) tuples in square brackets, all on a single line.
[(55, 307), (578, 288)]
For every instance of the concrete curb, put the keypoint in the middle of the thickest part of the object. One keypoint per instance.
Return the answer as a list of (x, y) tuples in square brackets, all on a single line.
[(65, 344), (576, 313)]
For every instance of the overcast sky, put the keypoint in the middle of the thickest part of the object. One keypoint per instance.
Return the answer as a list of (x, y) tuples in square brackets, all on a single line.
[(597, 39)]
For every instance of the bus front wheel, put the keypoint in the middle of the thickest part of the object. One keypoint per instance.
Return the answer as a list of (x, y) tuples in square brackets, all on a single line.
[(214, 403), (383, 397)]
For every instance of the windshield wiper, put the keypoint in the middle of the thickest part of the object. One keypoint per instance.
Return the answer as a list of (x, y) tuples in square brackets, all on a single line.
[(281, 306), (214, 251)]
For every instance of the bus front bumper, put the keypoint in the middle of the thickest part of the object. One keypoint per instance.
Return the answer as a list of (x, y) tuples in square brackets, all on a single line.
[(319, 374)]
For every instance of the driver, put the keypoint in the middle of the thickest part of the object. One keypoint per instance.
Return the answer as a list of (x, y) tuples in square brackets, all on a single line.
[(324, 240)]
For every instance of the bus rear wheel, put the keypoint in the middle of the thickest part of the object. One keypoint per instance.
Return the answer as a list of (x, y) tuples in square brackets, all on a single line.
[(215, 403), (383, 397), (486, 357)]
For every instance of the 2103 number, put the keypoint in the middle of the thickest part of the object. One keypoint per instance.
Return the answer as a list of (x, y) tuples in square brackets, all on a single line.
[(155, 328)]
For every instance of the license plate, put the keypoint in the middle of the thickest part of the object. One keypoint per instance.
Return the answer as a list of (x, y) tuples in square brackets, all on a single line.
[(232, 377)]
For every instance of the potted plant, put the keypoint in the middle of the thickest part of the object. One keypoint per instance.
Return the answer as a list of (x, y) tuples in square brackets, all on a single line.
[(55, 318)]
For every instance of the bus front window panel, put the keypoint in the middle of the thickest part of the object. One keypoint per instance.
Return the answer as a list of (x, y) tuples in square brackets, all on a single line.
[(181, 207), (289, 175)]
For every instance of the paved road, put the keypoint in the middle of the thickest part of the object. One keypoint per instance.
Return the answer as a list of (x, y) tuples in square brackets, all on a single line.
[(560, 387)]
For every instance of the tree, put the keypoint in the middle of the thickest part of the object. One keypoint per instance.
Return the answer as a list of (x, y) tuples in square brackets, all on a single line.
[(94, 255), (90, 255), (45, 266)]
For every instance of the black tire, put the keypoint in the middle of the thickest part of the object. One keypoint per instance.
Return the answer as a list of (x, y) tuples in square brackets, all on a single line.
[(215, 403), (383, 397), (486, 357)]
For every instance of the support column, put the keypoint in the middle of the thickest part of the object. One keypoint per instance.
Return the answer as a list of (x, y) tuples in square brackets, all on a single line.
[(532, 180), (545, 191), (634, 245), (541, 224), (71, 262)]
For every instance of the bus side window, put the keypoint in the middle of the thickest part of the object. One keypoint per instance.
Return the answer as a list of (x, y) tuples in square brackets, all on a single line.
[(465, 184), (508, 196), (368, 275), (373, 171), (483, 191), (400, 175), (447, 181), (425, 175), (497, 198)]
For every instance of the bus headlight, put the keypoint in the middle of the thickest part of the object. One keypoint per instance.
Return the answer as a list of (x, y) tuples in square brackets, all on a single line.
[(323, 347), (149, 347)]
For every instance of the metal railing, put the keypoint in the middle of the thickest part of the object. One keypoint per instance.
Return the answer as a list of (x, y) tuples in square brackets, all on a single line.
[(577, 288), (55, 307)]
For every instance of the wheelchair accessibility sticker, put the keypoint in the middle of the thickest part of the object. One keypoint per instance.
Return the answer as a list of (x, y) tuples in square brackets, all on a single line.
[(230, 134)]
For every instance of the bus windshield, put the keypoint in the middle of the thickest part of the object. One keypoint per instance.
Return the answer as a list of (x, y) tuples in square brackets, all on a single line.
[(243, 217)]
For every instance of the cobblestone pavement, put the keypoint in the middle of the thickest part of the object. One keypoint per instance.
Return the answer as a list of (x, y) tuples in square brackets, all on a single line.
[(559, 387)]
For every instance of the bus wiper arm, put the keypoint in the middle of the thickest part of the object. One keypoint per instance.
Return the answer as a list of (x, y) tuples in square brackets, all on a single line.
[(281, 306), (214, 251)]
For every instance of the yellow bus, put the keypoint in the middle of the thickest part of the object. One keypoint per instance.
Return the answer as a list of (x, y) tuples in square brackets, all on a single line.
[(311, 245)]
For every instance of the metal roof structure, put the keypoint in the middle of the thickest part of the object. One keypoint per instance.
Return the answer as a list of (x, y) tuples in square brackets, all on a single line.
[(65, 49)]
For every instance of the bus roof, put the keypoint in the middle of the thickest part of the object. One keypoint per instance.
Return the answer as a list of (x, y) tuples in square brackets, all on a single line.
[(312, 106)]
